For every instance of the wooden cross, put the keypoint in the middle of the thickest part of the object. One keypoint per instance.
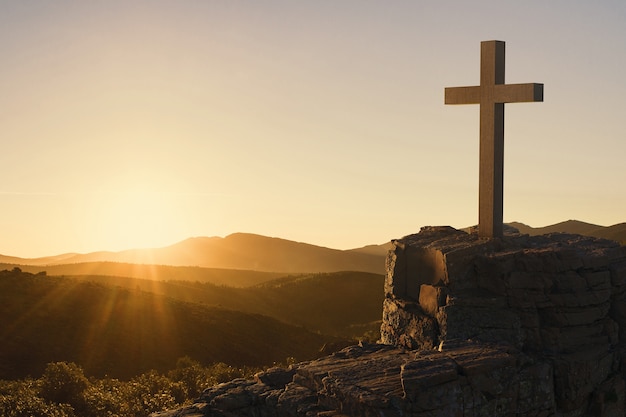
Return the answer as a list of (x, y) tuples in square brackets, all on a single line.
[(491, 94)]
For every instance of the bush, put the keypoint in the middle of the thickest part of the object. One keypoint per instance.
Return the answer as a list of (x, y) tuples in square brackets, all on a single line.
[(106, 398), (64, 383), (20, 399), (196, 378), (153, 392), (192, 375), (64, 391)]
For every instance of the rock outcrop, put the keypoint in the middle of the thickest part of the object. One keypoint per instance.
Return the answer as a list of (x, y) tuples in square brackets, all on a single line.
[(519, 326), (557, 299)]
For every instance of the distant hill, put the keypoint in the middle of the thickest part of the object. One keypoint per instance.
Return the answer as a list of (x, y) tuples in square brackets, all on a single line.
[(380, 250), (121, 332), (48, 260), (228, 277), (244, 251), (616, 232), (343, 304), (237, 251)]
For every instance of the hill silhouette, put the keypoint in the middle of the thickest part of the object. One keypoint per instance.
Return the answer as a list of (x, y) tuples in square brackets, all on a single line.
[(245, 251), (237, 251), (121, 332), (616, 232), (228, 277)]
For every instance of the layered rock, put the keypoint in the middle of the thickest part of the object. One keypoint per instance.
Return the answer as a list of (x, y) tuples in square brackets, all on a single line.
[(559, 299), (381, 380), (520, 326)]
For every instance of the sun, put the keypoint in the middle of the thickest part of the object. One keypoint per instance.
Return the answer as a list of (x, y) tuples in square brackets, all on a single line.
[(138, 216), (141, 213)]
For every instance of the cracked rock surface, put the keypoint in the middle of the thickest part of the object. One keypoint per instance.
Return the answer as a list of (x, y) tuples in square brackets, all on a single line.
[(464, 378)]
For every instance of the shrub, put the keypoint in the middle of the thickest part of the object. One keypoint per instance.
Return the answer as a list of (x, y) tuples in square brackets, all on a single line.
[(106, 398), (20, 399), (64, 383), (192, 375), (197, 378), (64, 391), (153, 392)]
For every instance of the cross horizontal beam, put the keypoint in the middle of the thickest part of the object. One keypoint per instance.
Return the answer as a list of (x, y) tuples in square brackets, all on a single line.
[(502, 93)]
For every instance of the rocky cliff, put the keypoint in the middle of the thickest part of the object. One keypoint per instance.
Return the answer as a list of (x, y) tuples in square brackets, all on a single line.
[(520, 326)]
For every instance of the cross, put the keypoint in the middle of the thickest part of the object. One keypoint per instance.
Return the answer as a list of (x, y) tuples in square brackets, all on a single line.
[(491, 94)]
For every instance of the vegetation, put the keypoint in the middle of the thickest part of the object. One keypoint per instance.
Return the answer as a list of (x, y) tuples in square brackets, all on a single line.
[(63, 390), (103, 345), (345, 304), (122, 332), (341, 304)]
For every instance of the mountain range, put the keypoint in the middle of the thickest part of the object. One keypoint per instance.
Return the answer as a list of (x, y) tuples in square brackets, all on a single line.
[(617, 232), (244, 251)]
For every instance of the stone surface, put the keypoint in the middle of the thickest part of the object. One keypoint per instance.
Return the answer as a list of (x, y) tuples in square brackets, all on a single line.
[(466, 378), (519, 326), (559, 299)]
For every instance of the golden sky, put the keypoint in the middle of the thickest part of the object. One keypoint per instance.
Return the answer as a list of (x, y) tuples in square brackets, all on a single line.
[(138, 124)]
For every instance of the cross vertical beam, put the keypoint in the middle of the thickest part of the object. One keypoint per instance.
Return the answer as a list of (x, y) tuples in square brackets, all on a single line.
[(491, 95), (491, 171)]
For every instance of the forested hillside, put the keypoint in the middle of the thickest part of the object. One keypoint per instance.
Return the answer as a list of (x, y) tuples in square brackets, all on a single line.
[(122, 332), (344, 304)]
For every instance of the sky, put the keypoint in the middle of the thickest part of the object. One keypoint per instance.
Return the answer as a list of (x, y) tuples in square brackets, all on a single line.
[(135, 124)]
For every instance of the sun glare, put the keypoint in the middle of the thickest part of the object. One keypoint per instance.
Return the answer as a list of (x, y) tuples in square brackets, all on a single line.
[(137, 217)]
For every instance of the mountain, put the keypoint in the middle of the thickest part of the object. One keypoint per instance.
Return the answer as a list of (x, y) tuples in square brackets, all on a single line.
[(237, 251), (616, 232), (244, 251), (123, 332)]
